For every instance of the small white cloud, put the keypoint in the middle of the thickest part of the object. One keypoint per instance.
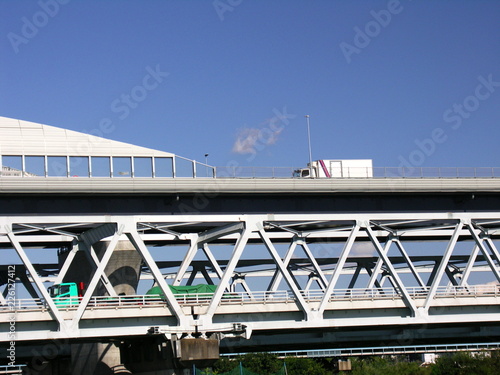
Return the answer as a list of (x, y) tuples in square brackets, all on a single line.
[(246, 140), (251, 140)]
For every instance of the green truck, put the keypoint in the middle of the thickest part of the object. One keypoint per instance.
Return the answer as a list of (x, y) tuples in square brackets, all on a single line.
[(70, 294)]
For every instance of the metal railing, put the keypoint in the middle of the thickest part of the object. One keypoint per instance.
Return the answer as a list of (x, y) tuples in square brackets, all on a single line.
[(185, 168), (264, 297), (362, 172)]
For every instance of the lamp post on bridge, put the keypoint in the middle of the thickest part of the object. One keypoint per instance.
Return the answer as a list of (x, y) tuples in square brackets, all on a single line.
[(206, 163), (309, 143)]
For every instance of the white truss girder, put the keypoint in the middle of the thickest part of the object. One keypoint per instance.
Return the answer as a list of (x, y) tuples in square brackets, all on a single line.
[(338, 233)]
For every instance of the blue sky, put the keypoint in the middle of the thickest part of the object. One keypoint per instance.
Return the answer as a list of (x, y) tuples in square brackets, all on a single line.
[(417, 81)]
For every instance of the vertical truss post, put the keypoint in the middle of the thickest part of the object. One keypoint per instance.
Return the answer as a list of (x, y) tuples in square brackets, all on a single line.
[(228, 272), (442, 266), (338, 268), (284, 271), (24, 258), (140, 246), (394, 275)]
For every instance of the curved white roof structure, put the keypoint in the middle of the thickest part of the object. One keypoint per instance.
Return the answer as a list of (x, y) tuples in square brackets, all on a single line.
[(18, 137), (28, 149)]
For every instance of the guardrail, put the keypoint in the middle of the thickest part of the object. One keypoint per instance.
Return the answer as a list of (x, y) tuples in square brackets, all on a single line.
[(353, 172), (203, 171), (282, 296)]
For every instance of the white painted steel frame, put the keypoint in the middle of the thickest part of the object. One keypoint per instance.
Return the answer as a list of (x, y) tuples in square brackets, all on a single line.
[(237, 231)]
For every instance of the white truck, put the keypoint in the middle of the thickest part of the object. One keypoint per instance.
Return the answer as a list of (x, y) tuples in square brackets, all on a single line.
[(354, 168)]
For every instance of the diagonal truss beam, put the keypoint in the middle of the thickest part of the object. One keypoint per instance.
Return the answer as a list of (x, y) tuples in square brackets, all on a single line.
[(212, 260), (96, 278), (486, 254), (442, 266), (278, 276), (188, 258), (338, 268), (54, 312), (317, 268), (392, 271), (409, 262), (228, 272), (173, 305), (302, 304), (67, 263), (378, 265)]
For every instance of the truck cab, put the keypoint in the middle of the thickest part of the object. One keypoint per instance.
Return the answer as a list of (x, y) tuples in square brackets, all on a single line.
[(66, 294)]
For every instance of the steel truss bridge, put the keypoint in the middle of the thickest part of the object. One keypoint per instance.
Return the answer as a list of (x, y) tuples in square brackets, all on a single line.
[(284, 280)]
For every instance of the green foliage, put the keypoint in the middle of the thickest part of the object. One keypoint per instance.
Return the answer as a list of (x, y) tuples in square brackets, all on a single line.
[(270, 364), (464, 363), (305, 366), (386, 366), (461, 363), (262, 363)]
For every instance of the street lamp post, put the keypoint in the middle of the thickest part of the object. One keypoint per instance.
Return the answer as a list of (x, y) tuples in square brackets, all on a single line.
[(206, 163), (309, 143)]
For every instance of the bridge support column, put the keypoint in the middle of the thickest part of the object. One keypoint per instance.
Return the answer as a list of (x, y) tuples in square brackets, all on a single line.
[(97, 359), (123, 272)]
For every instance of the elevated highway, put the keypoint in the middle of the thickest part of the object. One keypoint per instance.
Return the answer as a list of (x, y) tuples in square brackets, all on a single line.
[(390, 260), (245, 195)]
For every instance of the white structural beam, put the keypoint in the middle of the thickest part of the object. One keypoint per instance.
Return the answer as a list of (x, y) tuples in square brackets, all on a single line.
[(442, 266), (286, 274), (338, 268), (322, 279), (325, 305), (228, 272), (188, 258), (212, 260), (278, 276), (173, 305), (378, 265), (96, 278), (394, 275), (41, 288), (486, 254)]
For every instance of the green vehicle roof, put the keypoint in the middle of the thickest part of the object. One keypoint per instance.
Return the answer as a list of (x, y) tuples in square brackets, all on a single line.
[(185, 289)]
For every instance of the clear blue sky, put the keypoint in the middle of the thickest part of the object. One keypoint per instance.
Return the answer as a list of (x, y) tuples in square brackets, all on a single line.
[(194, 77)]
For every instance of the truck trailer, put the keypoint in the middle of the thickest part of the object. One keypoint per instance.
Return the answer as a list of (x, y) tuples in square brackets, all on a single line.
[(353, 168)]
